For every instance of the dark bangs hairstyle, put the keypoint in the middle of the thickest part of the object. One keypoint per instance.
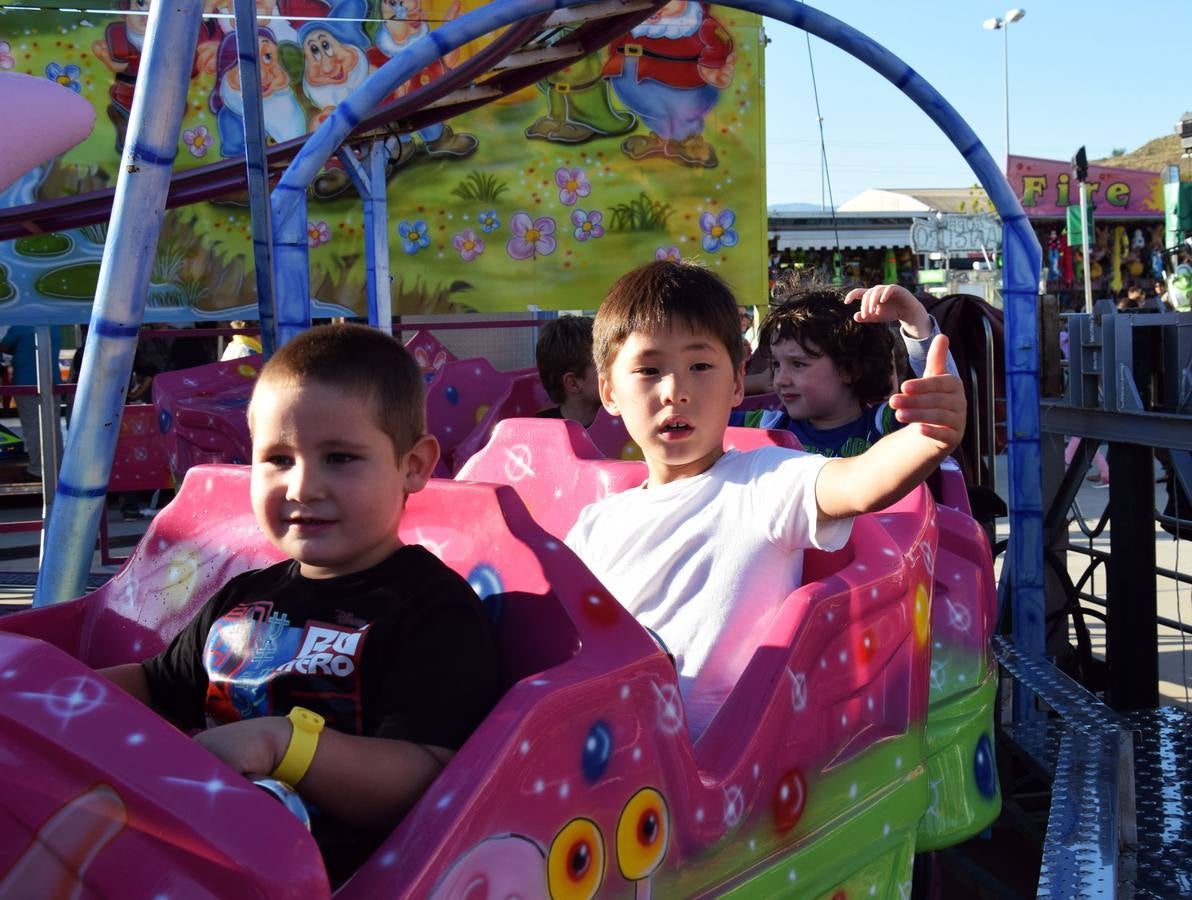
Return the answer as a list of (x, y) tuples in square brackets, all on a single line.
[(816, 316), (661, 295), (361, 362)]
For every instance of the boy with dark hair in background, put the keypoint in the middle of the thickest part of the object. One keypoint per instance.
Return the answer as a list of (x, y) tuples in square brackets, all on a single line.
[(564, 357)]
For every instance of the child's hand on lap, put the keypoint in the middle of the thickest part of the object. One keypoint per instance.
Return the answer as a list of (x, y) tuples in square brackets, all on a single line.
[(252, 747), (934, 405), (891, 303)]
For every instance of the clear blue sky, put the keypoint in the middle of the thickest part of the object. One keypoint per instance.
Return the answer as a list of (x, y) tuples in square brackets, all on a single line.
[(1134, 84)]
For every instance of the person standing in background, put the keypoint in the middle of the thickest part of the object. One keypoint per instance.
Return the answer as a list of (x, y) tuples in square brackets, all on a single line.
[(21, 342), (240, 345)]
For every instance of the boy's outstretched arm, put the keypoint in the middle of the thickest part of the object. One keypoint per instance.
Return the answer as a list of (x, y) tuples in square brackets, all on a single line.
[(368, 782), (933, 409)]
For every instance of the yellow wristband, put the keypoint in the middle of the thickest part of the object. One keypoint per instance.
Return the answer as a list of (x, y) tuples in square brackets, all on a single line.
[(304, 740)]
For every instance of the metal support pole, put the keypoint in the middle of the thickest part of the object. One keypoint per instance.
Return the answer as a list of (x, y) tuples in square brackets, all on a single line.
[(1084, 249), (1057, 481), (47, 403), (48, 419), (1131, 635), (1006, 89), (121, 292), (371, 187), (247, 49), (380, 303)]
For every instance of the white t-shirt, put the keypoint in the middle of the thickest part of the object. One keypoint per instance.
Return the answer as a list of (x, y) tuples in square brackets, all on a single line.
[(706, 561)]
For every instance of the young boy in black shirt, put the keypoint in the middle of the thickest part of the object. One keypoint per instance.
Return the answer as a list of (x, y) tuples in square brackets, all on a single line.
[(356, 669)]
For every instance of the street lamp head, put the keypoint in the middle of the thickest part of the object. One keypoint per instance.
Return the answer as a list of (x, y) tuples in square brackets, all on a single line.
[(999, 22)]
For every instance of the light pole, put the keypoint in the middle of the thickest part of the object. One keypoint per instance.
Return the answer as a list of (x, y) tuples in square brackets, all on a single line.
[(1003, 24)]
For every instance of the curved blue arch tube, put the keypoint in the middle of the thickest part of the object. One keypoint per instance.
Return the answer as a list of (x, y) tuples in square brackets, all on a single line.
[(1021, 251), (1022, 264)]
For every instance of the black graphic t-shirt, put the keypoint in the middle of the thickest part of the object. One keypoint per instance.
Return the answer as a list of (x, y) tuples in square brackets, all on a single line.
[(403, 650)]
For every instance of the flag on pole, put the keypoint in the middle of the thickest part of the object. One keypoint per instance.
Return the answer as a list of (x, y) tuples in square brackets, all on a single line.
[(1075, 232)]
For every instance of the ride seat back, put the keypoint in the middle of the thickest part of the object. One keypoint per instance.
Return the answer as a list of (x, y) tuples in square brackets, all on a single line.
[(608, 433), (458, 399), (558, 469), (203, 538), (484, 533), (554, 466), (858, 628), (141, 461), (430, 353), (525, 396), (738, 437), (202, 412)]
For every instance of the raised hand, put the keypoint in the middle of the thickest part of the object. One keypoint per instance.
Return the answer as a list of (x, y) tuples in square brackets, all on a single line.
[(891, 303), (934, 405)]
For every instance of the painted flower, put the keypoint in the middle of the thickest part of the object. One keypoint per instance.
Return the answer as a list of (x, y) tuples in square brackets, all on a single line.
[(414, 236), (488, 221), (587, 224), (468, 245), (572, 185), (67, 76), (198, 140), (671, 254), (531, 237), (6, 60), (317, 233), (718, 230)]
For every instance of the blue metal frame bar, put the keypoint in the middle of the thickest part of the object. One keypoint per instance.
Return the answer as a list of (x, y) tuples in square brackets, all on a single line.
[(120, 297), (1022, 261), (248, 52), (372, 189)]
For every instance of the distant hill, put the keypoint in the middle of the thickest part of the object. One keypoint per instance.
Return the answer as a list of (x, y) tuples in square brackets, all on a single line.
[(1153, 156)]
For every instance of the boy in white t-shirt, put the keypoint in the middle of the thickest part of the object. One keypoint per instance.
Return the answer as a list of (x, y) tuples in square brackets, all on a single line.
[(704, 552)]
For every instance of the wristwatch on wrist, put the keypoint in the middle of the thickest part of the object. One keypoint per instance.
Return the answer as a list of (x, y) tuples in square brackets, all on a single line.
[(304, 740)]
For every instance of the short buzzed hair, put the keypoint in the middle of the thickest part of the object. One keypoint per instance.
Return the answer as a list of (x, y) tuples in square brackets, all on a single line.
[(564, 345), (362, 362), (660, 295)]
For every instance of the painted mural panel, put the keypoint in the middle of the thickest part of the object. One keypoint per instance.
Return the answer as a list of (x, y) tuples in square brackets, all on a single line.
[(650, 147)]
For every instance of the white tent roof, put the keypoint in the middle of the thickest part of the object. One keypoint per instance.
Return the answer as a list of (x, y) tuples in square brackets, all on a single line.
[(919, 200)]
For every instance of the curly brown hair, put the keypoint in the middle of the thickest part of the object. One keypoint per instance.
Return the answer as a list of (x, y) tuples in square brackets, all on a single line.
[(816, 316)]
